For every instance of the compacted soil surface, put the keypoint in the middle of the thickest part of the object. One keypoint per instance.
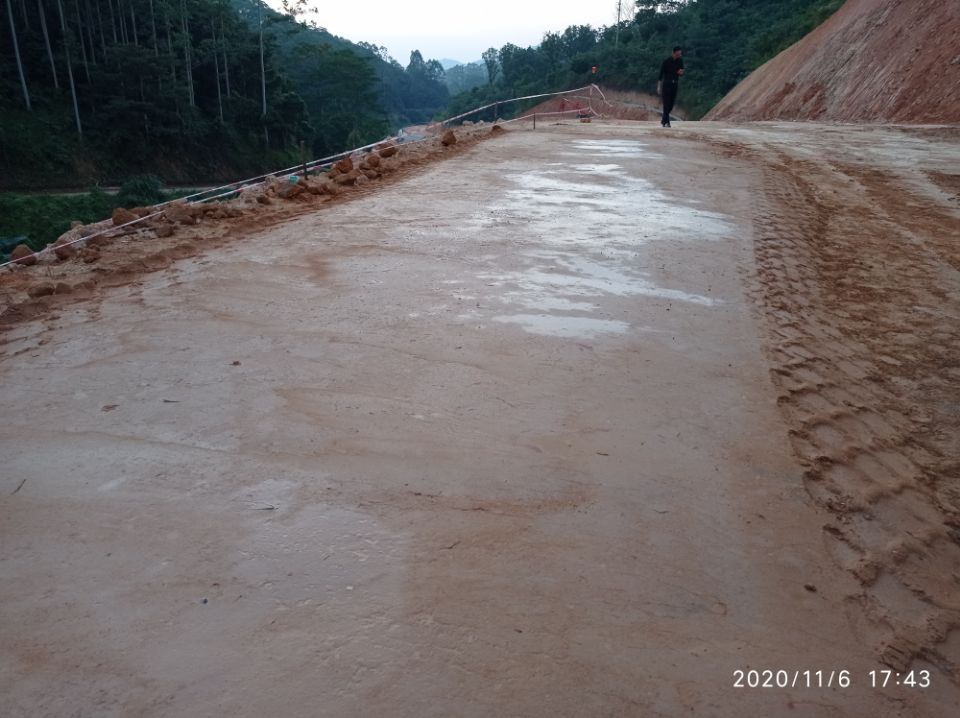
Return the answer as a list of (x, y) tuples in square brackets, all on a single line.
[(592, 419)]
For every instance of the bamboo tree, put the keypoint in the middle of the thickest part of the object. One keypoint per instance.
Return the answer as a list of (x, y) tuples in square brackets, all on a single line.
[(226, 65), (89, 26), (103, 41), (133, 24), (46, 41), (113, 22), (216, 67), (122, 24), (83, 47), (153, 30), (263, 74), (66, 47), (187, 54), (170, 53), (16, 51)]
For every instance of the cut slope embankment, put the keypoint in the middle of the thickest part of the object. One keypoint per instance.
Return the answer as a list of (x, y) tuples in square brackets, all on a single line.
[(873, 61)]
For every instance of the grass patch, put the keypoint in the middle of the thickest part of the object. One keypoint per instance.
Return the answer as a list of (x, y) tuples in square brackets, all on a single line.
[(42, 218)]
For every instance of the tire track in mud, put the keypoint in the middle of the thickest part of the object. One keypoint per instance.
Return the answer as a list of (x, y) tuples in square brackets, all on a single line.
[(861, 316)]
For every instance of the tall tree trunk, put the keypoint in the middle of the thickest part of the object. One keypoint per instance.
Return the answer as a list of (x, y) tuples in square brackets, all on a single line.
[(187, 55), (46, 41), (113, 22), (66, 47), (16, 51), (83, 46), (103, 40), (226, 65), (121, 24), (133, 25), (153, 30), (263, 73), (26, 17), (90, 40), (216, 67), (173, 62)]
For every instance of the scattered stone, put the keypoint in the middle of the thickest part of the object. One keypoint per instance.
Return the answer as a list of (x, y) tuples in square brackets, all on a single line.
[(101, 240), (264, 199), (165, 230), (123, 216), (290, 190), (448, 138), (348, 178), (63, 249), (371, 174), (63, 288), (331, 188), (810, 587), (495, 129), (361, 179), (90, 255), (315, 187), (344, 165), (388, 151), (22, 254), (370, 162), (142, 211), (179, 214), (44, 289)]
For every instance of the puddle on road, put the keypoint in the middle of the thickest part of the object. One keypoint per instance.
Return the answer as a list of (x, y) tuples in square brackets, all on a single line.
[(595, 217), (598, 204), (564, 326), (614, 148), (555, 281)]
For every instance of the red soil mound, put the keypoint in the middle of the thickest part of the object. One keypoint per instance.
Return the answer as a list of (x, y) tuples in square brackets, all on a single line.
[(873, 61)]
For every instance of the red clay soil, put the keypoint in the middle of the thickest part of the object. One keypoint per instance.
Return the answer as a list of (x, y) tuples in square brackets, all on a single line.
[(872, 61), (613, 104)]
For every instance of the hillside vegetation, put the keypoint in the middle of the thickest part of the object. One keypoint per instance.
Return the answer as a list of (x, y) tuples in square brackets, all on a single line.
[(723, 41), (190, 90)]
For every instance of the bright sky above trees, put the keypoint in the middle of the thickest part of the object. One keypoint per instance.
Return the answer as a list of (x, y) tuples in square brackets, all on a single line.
[(457, 30)]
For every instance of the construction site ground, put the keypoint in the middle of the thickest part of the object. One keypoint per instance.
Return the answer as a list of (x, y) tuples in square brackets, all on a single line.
[(580, 421)]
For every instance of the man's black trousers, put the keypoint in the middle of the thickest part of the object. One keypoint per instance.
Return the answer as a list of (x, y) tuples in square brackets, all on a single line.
[(669, 96)]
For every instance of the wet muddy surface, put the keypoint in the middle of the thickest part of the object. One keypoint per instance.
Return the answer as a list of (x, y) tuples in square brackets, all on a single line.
[(513, 436)]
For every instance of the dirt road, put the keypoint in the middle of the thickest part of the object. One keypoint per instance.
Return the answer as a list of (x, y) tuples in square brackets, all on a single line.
[(581, 422)]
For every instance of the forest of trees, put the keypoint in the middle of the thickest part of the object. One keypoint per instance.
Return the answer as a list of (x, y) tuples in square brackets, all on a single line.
[(98, 90), (723, 41)]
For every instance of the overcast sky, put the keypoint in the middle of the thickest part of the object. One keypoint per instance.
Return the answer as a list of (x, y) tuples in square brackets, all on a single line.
[(456, 30)]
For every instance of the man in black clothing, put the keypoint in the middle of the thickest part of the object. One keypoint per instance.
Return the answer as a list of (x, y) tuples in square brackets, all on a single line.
[(670, 72)]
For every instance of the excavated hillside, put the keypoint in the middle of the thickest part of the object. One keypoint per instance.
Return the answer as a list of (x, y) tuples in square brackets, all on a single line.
[(872, 61)]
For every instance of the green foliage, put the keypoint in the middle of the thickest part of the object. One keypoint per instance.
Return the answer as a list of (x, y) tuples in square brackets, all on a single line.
[(141, 191), (723, 41), (463, 78), (43, 218), (190, 90)]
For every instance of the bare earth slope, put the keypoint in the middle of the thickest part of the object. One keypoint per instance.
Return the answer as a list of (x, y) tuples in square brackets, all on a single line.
[(873, 61)]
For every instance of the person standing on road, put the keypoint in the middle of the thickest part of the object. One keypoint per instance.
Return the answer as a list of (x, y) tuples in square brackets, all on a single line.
[(670, 72)]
